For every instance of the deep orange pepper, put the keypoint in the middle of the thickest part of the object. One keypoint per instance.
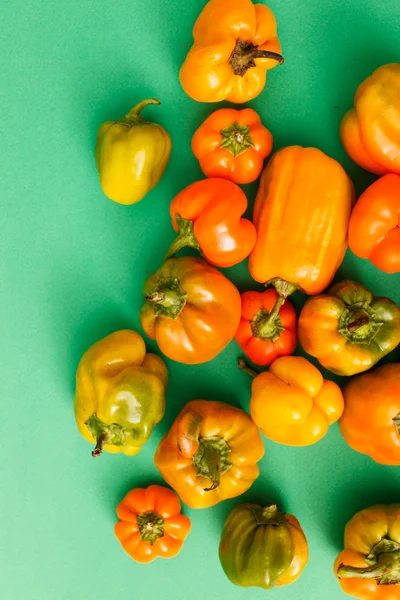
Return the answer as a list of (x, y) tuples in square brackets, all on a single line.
[(210, 453), (370, 131), (374, 230), (208, 217), (292, 403), (371, 420), (267, 330), (235, 44), (151, 524), (232, 144)]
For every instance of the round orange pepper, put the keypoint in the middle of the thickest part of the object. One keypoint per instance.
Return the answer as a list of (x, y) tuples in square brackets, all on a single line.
[(292, 403), (371, 420), (301, 214), (191, 310), (267, 329), (232, 144), (235, 44), (370, 130), (208, 217), (374, 231), (369, 566), (210, 453), (150, 524)]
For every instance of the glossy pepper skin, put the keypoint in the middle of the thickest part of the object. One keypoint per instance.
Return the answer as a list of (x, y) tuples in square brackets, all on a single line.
[(235, 44), (371, 420), (131, 155), (370, 130), (208, 217), (347, 329), (374, 231), (120, 393), (151, 524), (210, 454), (267, 330), (191, 310), (292, 403), (301, 214), (262, 547), (232, 144), (369, 566)]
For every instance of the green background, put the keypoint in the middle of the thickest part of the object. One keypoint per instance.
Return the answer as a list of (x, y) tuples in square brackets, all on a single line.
[(72, 267)]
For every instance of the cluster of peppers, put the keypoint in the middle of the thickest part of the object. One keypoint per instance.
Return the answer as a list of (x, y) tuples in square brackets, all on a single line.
[(303, 219)]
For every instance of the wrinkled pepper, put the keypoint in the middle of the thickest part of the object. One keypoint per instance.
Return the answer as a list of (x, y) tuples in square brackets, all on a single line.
[(262, 547), (235, 44), (191, 310), (374, 230), (151, 524), (210, 453), (371, 420), (369, 566), (301, 214), (267, 329), (131, 155), (232, 144), (370, 130), (208, 217), (292, 403), (347, 329), (120, 393)]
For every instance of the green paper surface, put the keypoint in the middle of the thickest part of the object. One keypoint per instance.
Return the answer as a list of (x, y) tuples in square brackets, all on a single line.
[(73, 264)]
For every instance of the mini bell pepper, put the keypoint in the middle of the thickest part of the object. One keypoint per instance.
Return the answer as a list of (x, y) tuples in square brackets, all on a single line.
[(370, 130), (131, 155), (267, 328), (151, 524), (348, 330), (369, 566), (120, 393), (232, 144), (210, 453), (262, 547), (235, 44), (371, 420), (191, 310), (374, 231), (208, 217), (292, 403)]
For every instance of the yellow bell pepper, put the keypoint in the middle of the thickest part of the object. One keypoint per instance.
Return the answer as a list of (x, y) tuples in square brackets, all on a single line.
[(120, 393), (131, 155)]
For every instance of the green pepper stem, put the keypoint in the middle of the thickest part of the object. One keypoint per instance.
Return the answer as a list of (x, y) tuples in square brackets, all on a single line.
[(166, 298), (243, 366), (384, 561), (101, 440), (186, 237), (134, 113), (357, 323), (284, 288), (212, 459)]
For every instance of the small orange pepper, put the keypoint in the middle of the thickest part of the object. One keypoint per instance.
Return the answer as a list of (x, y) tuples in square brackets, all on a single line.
[(292, 403), (151, 524), (232, 144)]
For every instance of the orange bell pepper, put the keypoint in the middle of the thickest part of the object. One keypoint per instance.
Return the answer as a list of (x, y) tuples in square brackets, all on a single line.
[(292, 403), (301, 214), (371, 420), (370, 130), (210, 454), (150, 524), (191, 310), (267, 330), (232, 144), (374, 231), (207, 216), (235, 44), (369, 566)]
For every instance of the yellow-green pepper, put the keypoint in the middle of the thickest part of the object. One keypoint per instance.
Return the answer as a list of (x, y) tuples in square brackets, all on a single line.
[(131, 155), (120, 393)]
